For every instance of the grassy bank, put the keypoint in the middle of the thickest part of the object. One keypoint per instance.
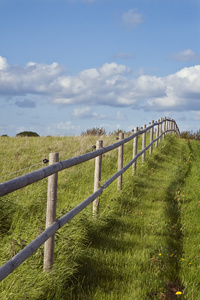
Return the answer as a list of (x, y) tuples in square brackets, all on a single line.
[(144, 243)]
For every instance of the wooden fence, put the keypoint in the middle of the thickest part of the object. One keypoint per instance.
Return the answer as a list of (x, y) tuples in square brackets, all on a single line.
[(51, 171)]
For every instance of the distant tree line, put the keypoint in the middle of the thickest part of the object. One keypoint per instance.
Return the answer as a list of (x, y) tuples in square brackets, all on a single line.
[(95, 131), (190, 135), (23, 133)]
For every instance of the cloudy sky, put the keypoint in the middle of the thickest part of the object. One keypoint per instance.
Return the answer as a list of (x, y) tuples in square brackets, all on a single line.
[(69, 65)]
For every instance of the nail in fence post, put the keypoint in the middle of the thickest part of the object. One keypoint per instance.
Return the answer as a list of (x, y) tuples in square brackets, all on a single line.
[(97, 177), (51, 213), (151, 137), (143, 142), (135, 142), (120, 161)]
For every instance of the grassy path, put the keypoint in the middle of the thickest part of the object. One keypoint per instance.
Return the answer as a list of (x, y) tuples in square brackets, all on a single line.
[(144, 249)]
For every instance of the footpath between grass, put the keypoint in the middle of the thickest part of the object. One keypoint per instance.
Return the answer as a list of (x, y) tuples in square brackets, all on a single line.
[(144, 244), (148, 247)]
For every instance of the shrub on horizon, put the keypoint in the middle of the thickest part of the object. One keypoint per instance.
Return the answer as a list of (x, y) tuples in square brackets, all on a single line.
[(190, 135), (27, 133), (94, 131)]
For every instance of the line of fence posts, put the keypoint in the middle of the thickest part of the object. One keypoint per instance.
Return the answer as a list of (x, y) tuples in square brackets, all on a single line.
[(52, 179)]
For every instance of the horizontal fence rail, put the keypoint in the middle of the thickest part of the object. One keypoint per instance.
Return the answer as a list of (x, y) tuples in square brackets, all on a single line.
[(170, 126)]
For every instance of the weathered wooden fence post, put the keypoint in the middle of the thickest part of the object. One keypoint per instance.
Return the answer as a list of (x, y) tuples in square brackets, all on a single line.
[(120, 161), (164, 127), (51, 213), (143, 142), (135, 142), (173, 127), (170, 126), (160, 129), (167, 126), (151, 137), (97, 177), (157, 134)]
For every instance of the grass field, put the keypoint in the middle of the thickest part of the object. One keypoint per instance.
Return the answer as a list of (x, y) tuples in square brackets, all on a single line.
[(144, 244)]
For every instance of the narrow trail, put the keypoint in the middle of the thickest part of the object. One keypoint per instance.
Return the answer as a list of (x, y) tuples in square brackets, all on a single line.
[(142, 241)]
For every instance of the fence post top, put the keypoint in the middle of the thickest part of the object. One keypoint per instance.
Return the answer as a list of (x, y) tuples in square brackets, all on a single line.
[(99, 143), (121, 135), (53, 158)]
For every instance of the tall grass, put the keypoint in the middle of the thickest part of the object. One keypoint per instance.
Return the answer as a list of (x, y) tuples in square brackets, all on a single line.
[(143, 244)]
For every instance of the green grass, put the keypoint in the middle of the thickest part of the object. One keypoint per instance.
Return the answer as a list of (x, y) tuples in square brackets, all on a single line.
[(144, 244)]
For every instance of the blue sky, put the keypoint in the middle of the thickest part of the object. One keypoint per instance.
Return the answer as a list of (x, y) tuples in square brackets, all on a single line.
[(69, 65)]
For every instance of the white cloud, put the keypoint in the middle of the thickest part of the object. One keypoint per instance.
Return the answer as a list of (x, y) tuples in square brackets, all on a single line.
[(3, 63), (111, 69), (182, 91), (33, 78), (108, 85), (132, 18), (185, 55)]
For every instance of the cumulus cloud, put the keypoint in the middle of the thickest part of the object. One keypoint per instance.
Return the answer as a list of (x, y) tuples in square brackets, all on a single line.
[(109, 85), (33, 78), (181, 91), (132, 18), (105, 85), (185, 55), (3, 63)]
